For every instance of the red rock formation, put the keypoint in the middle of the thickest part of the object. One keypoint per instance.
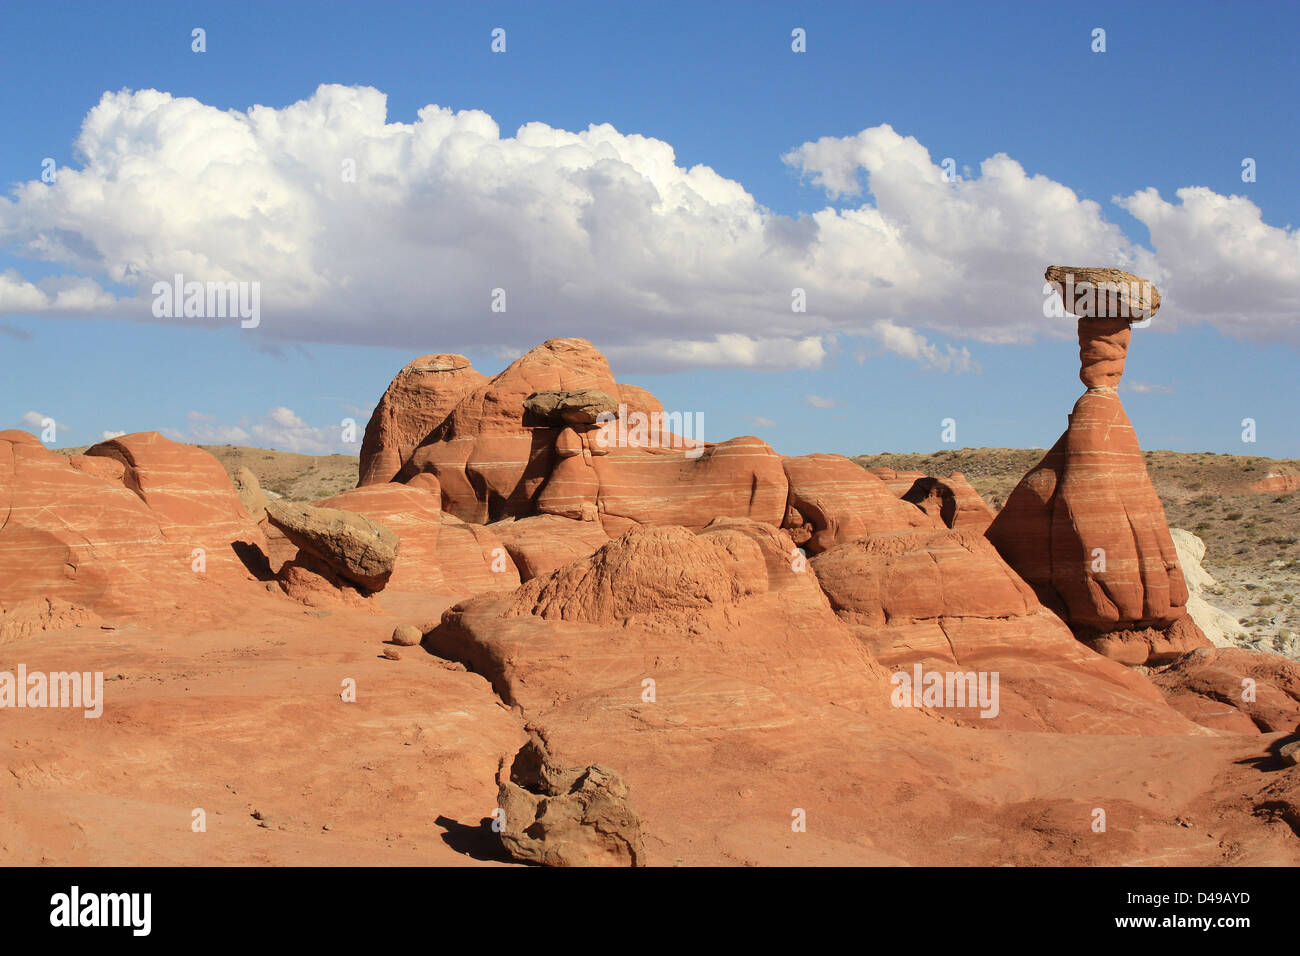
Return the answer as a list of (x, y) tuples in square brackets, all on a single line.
[(491, 465), (1085, 526), (682, 605), (438, 552), (1231, 688), (188, 492), (542, 543), (494, 459), (416, 402), (833, 500), (158, 527), (944, 600), (474, 560), (740, 478), (1149, 645), (415, 516), (952, 500), (637, 399), (898, 482), (309, 580), (24, 618), (566, 817), (915, 575)]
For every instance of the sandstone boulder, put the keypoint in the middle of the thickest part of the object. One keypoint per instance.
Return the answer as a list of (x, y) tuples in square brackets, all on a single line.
[(580, 407), (355, 547), (407, 635), (1101, 293), (559, 817), (415, 517)]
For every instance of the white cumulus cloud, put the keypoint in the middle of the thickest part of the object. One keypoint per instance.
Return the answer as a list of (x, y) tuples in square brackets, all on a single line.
[(280, 428), (364, 231)]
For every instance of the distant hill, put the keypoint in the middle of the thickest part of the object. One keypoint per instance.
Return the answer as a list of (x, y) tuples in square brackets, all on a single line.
[(294, 476)]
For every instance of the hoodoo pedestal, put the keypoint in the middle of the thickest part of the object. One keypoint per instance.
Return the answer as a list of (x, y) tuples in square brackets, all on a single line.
[(1085, 527)]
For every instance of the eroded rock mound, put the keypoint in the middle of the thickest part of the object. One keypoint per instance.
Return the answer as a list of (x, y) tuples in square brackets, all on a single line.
[(554, 434), (1234, 689), (416, 402), (653, 574), (542, 543), (833, 500), (414, 516), (566, 817), (944, 601), (910, 576), (489, 463), (184, 486), (141, 525), (952, 500)]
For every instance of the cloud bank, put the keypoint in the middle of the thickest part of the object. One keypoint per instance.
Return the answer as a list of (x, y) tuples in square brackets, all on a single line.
[(443, 234)]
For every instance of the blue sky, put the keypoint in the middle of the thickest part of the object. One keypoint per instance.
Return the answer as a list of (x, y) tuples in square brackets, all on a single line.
[(892, 343)]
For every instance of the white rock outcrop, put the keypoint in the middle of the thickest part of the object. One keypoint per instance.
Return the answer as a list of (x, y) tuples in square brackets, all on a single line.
[(1219, 626)]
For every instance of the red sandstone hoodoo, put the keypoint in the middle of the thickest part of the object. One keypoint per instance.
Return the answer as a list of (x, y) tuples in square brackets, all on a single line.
[(1085, 527)]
